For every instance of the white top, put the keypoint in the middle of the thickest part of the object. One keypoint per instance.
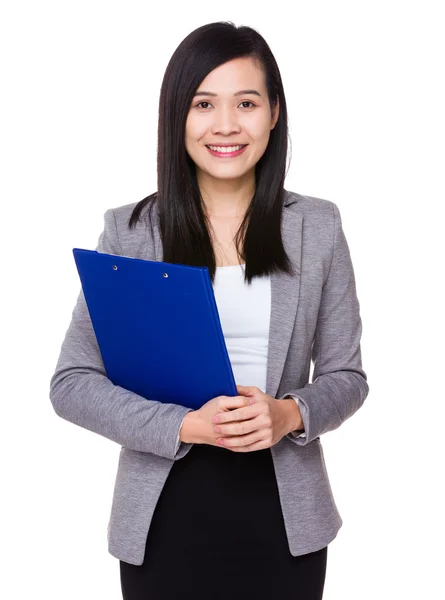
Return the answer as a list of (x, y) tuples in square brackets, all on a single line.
[(244, 311)]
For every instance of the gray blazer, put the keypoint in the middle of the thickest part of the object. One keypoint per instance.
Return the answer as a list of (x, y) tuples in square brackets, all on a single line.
[(314, 315)]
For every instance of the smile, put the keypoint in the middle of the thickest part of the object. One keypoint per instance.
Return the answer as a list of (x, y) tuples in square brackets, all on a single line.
[(226, 152)]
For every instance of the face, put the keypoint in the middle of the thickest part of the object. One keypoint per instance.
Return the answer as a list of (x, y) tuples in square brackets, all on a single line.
[(223, 113)]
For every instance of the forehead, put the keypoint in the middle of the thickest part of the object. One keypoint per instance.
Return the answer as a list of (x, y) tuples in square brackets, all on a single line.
[(237, 74)]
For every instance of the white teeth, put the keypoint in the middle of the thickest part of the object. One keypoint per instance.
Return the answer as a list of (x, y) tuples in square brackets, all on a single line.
[(225, 149)]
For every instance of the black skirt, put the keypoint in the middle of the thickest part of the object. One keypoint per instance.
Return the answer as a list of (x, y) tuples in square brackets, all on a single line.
[(218, 532)]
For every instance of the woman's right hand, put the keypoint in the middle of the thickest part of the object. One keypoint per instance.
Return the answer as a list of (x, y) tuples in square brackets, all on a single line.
[(204, 427)]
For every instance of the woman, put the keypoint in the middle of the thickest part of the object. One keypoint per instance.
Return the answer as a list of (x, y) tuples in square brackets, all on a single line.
[(239, 506)]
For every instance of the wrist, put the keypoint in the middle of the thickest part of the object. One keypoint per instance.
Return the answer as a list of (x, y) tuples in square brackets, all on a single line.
[(190, 428), (293, 414)]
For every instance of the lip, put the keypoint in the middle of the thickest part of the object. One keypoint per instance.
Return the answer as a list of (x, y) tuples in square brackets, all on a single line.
[(227, 154)]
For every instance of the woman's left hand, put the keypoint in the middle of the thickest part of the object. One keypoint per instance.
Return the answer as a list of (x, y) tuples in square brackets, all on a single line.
[(255, 427)]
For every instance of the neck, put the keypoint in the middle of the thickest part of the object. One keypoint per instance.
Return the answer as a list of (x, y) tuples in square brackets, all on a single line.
[(226, 198)]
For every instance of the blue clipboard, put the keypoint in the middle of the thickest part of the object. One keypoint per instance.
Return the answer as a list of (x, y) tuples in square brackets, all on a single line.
[(157, 327)]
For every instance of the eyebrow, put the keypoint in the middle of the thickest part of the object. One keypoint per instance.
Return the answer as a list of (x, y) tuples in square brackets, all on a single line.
[(240, 93)]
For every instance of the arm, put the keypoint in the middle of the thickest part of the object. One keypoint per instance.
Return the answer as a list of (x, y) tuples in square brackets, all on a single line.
[(81, 393), (295, 417), (190, 430), (339, 385)]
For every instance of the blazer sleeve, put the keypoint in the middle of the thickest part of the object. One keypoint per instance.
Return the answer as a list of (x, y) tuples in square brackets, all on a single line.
[(81, 393), (339, 385)]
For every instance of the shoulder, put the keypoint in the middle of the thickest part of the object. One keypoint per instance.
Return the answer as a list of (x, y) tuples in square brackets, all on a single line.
[(134, 241), (318, 213), (121, 215), (311, 207), (320, 217)]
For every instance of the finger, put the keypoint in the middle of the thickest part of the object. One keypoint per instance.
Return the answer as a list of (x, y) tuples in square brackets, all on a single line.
[(246, 390), (231, 402), (239, 428), (260, 445), (239, 442), (239, 414)]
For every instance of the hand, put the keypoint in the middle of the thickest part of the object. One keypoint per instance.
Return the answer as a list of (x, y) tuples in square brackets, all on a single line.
[(252, 427), (204, 431)]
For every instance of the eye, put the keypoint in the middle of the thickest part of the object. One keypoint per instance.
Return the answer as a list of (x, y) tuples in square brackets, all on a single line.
[(205, 102)]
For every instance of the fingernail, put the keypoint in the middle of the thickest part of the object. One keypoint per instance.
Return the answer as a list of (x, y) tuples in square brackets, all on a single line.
[(215, 419)]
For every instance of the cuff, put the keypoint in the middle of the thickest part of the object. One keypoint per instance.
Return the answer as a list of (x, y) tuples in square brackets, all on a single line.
[(182, 448)]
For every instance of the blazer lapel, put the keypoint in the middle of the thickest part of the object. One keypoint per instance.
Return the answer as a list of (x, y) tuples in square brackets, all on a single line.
[(285, 290)]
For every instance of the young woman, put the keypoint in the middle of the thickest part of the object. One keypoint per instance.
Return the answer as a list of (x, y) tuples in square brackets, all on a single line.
[(232, 500)]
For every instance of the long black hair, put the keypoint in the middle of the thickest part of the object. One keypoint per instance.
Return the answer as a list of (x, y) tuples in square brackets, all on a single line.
[(184, 227)]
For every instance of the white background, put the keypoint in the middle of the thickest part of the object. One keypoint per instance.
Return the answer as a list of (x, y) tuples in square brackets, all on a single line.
[(364, 86)]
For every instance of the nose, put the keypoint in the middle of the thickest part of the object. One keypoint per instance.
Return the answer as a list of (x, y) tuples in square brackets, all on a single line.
[(225, 121)]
